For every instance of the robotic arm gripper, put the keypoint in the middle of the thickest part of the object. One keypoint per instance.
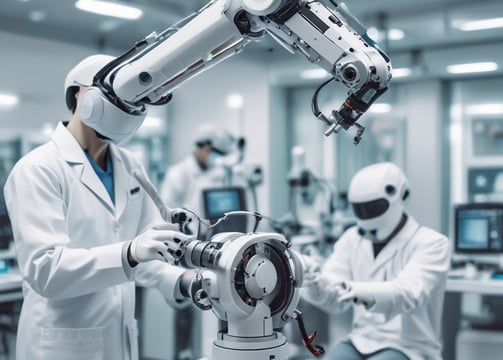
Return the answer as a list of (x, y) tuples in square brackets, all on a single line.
[(323, 32)]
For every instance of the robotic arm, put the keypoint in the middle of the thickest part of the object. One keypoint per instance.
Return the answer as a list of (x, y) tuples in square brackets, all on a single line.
[(323, 32)]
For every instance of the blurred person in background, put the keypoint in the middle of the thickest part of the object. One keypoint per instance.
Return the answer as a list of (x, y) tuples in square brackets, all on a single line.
[(184, 181), (389, 269)]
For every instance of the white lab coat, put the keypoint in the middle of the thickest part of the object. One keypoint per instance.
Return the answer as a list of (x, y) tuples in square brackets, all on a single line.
[(407, 280), (79, 299)]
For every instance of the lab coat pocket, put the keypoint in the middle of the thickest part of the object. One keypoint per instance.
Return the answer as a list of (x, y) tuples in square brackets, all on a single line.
[(75, 344)]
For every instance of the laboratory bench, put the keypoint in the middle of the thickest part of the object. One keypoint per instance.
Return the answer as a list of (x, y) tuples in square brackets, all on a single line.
[(10, 286), (10, 277), (460, 340)]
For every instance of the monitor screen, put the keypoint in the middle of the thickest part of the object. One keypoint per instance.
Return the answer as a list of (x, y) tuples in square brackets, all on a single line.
[(5, 229), (219, 201), (479, 228)]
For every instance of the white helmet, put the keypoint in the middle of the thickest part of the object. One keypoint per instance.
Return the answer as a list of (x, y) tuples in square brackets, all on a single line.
[(377, 194), (94, 108), (220, 140)]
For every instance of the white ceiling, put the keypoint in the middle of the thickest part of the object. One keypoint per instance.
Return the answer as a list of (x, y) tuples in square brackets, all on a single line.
[(425, 23)]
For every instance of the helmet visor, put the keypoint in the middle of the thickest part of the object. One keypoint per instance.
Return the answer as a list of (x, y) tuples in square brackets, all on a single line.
[(370, 209)]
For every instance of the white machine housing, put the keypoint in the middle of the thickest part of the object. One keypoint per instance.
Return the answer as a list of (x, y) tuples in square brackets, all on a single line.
[(250, 281)]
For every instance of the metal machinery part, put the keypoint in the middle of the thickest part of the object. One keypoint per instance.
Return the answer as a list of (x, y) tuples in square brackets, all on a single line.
[(250, 281)]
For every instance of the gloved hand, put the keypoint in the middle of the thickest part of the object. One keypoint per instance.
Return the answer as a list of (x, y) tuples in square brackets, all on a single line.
[(312, 271), (353, 291), (323, 290), (159, 243)]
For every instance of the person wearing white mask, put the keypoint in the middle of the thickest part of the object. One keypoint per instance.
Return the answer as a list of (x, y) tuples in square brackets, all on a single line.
[(85, 231), (184, 181), (391, 270)]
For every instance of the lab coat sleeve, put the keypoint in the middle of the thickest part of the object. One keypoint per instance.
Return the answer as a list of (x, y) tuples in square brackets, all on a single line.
[(163, 277), (335, 269), (156, 274), (36, 209), (425, 271)]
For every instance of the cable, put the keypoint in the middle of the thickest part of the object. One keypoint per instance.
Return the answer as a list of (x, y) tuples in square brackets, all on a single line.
[(314, 102), (307, 340)]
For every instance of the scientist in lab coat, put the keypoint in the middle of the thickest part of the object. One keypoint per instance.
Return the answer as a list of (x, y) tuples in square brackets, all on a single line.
[(84, 233), (391, 270), (185, 180)]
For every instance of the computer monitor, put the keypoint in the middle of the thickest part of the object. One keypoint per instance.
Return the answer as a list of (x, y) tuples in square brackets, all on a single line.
[(478, 228), (218, 201)]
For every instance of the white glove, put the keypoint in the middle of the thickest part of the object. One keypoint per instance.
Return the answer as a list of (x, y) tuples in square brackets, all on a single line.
[(159, 243), (323, 290), (356, 292), (311, 267)]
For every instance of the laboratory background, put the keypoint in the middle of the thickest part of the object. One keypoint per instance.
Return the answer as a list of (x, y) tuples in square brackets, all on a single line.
[(440, 121)]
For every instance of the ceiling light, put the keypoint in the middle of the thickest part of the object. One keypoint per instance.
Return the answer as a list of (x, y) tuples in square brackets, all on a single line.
[(395, 34), (109, 9), (8, 100), (472, 68), (381, 108), (37, 15), (153, 125), (309, 74), (153, 122), (392, 34), (235, 101), (485, 109), (475, 25), (401, 72)]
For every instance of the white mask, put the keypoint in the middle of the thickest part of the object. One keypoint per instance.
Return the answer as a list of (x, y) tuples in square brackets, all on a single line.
[(214, 159)]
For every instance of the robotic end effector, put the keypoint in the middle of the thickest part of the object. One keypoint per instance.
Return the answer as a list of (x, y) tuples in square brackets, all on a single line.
[(328, 35)]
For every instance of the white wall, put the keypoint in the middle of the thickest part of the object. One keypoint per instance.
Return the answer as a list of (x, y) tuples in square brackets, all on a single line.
[(36, 70)]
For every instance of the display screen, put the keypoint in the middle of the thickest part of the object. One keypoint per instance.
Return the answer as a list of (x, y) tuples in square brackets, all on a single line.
[(9, 153), (219, 201), (479, 228)]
